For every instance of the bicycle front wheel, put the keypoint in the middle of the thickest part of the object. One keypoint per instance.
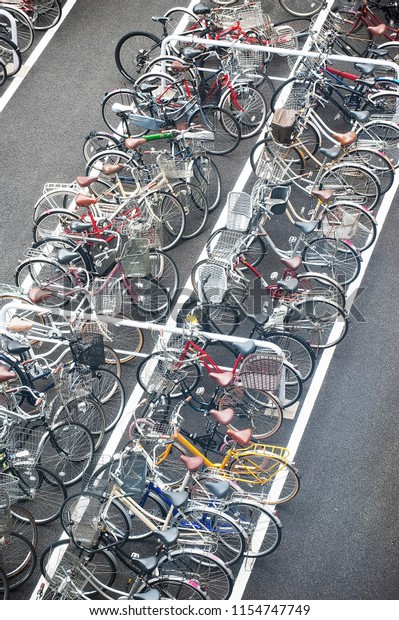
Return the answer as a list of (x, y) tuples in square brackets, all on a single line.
[(262, 527), (224, 126), (248, 107), (302, 8), (295, 350), (149, 300), (45, 15), (168, 218)]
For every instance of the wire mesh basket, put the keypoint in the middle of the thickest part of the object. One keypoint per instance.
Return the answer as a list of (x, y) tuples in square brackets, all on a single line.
[(89, 328), (272, 170), (225, 247), (150, 229), (284, 37), (350, 5), (69, 576), (246, 60), (11, 485), (22, 443), (212, 283), (135, 257), (89, 351), (249, 15), (239, 211), (106, 296), (175, 168), (162, 373), (165, 341), (261, 371), (133, 473), (340, 224), (72, 383)]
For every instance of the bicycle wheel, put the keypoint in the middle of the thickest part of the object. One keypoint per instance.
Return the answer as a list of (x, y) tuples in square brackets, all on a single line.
[(125, 340), (168, 218), (82, 516), (272, 166), (207, 176), (262, 527), (301, 8), (174, 588), (354, 37), (335, 257), (84, 410), (179, 20), (255, 409), (108, 390), (383, 136), (272, 479), (3, 72), (253, 254), (119, 122), (153, 505), (47, 493), (44, 273), (157, 365), (24, 523), (248, 107), (149, 301), (169, 466), (10, 54), (17, 559), (64, 198), (295, 349), (25, 31), (195, 207), (133, 52), (224, 126), (209, 528), (209, 317), (46, 13), (352, 182), (383, 105), (163, 269), (103, 563), (319, 285), (351, 222), (51, 246), (321, 323), (206, 569), (377, 162), (68, 450), (54, 223), (4, 586), (97, 141)]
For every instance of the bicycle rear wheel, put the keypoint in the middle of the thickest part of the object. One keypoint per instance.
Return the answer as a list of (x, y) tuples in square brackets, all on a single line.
[(295, 350), (352, 182), (335, 257), (45, 273), (248, 107), (17, 559), (45, 14), (316, 320), (262, 527), (108, 390), (168, 218), (133, 52), (47, 493), (195, 206), (302, 8)]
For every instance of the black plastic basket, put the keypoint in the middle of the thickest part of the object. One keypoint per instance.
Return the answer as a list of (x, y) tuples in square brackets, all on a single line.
[(89, 352)]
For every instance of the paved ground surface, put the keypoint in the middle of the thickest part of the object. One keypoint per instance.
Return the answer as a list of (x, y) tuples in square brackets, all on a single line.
[(340, 537)]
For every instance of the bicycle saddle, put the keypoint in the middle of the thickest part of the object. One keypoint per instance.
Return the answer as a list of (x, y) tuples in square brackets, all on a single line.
[(191, 53), (245, 348), (15, 348), (80, 226), (84, 201), (243, 438), (377, 31), (179, 66), (18, 325), (293, 263), (85, 181), (133, 143), (161, 19), (145, 565), (177, 498), (192, 462), (66, 256), (306, 227), (36, 295), (324, 195), (223, 416), (223, 379), (219, 489), (167, 537), (151, 595), (364, 69), (333, 153), (290, 285), (112, 168), (345, 139), (201, 9), (361, 116)]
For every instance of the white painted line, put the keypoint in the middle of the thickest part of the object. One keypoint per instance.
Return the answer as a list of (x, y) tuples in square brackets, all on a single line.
[(17, 80)]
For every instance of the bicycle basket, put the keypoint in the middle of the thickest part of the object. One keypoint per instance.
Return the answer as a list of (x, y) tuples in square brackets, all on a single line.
[(239, 211), (150, 230), (212, 283), (262, 371), (70, 573), (135, 258), (22, 443), (175, 168), (283, 124), (106, 296), (285, 37), (339, 224), (163, 373), (133, 474), (90, 352), (11, 485), (226, 247)]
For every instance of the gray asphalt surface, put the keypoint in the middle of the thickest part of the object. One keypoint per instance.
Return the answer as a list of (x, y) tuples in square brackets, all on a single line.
[(340, 536)]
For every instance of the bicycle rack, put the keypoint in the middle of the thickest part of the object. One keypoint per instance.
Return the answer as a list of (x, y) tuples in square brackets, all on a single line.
[(13, 26)]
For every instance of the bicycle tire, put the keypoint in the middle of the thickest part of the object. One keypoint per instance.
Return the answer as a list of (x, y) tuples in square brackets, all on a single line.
[(120, 124), (106, 568), (301, 8), (261, 475), (169, 219), (383, 104), (384, 136), (248, 106), (46, 17), (4, 586), (133, 51), (53, 224), (164, 270), (295, 349), (68, 450), (174, 588), (108, 390), (43, 273), (206, 174), (3, 72), (44, 483), (97, 141), (335, 257), (85, 410), (50, 246), (226, 129), (375, 161), (55, 199), (24, 523), (352, 182), (152, 504), (160, 361), (11, 55), (149, 300), (25, 30), (210, 572), (354, 222), (209, 317), (256, 409), (263, 528), (316, 322), (320, 285), (195, 205), (17, 569), (207, 526)]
